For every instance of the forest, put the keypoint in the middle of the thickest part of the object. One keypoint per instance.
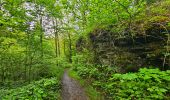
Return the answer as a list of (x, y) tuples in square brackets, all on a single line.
[(84, 49)]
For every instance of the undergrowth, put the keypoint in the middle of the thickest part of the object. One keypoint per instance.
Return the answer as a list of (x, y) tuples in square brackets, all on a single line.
[(45, 89), (91, 92), (147, 84)]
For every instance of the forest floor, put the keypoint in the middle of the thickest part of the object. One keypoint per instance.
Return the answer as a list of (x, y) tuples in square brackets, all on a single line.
[(71, 89)]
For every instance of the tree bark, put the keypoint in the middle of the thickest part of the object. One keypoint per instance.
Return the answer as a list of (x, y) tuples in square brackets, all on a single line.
[(70, 48), (41, 37)]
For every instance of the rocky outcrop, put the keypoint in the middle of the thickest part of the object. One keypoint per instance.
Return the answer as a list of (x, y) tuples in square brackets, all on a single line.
[(131, 53)]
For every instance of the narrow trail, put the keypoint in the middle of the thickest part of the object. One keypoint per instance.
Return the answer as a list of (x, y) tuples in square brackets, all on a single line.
[(71, 90)]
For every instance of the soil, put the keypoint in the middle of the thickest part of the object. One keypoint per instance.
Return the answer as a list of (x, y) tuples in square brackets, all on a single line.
[(71, 89)]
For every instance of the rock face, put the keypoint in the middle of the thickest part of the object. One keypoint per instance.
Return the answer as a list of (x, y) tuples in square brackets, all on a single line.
[(130, 53)]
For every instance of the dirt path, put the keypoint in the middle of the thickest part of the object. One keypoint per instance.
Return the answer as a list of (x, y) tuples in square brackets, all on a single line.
[(71, 90)]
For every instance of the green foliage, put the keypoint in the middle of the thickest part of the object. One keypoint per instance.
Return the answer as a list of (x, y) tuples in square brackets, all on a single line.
[(45, 89), (63, 62), (21, 50), (28, 54), (98, 72), (146, 84)]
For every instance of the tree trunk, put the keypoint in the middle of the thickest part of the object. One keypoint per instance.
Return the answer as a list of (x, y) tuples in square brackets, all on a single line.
[(58, 41), (64, 47), (70, 48), (41, 37), (56, 44)]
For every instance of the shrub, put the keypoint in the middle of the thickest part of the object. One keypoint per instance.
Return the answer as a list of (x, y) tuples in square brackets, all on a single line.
[(45, 89), (146, 84)]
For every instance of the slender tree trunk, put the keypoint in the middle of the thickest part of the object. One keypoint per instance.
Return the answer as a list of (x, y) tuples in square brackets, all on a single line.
[(2, 70), (64, 47), (30, 68), (70, 48), (1, 64), (27, 55), (56, 45), (41, 37), (56, 38), (30, 65), (58, 41), (3, 74)]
